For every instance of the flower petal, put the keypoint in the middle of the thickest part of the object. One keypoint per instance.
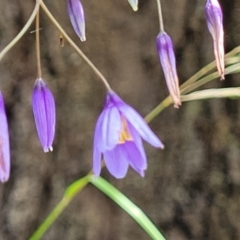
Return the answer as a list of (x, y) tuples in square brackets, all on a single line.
[(96, 161), (116, 161), (4, 144), (51, 117), (109, 123), (137, 162), (136, 121), (76, 14), (134, 157)]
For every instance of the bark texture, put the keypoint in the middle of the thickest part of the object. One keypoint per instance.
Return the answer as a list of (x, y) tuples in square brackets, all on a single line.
[(191, 189)]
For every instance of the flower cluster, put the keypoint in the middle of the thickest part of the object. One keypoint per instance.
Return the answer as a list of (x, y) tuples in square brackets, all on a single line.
[(119, 129), (44, 115), (167, 56)]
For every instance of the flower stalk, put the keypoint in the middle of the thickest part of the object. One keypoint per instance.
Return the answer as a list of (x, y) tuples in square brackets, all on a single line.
[(39, 71), (76, 48), (160, 15)]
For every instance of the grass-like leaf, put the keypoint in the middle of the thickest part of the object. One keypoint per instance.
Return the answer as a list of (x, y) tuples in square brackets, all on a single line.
[(134, 211), (69, 195)]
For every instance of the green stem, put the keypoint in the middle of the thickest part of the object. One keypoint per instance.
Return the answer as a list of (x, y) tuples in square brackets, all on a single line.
[(51, 219), (69, 195), (160, 107), (229, 70), (193, 82), (212, 66)]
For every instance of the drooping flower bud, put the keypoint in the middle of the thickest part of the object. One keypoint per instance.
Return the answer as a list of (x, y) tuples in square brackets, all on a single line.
[(76, 14), (44, 114), (168, 62), (4, 144), (134, 4), (215, 26)]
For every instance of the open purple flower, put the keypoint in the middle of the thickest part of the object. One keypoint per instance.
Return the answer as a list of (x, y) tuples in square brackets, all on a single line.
[(118, 137), (76, 14), (4, 144), (215, 26), (134, 4), (44, 114), (168, 62)]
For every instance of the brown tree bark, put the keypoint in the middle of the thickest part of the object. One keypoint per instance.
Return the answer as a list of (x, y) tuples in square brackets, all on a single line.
[(191, 189)]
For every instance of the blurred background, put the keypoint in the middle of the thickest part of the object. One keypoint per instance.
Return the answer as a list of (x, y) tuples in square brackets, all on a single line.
[(191, 189)]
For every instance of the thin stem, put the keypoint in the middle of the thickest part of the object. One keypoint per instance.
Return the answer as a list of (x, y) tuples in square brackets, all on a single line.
[(51, 218), (38, 46), (210, 67), (70, 41), (229, 70), (160, 107), (22, 32), (160, 15), (198, 80)]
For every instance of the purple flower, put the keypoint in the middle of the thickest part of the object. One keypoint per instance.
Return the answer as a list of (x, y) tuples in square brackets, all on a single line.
[(118, 137), (4, 144), (134, 4), (168, 62), (76, 14), (215, 26), (44, 114)]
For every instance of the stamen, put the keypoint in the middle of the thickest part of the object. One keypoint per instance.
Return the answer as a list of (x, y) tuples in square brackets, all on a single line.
[(124, 135)]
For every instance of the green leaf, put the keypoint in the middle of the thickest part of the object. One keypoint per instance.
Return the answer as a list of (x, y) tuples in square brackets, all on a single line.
[(135, 212), (212, 93), (69, 195)]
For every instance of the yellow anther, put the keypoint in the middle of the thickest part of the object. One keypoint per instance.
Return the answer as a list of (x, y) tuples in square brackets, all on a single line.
[(124, 134)]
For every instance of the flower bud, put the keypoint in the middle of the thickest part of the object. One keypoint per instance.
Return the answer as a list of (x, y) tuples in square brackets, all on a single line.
[(76, 14), (168, 62), (134, 4), (4, 144), (215, 26), (44, 114)]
